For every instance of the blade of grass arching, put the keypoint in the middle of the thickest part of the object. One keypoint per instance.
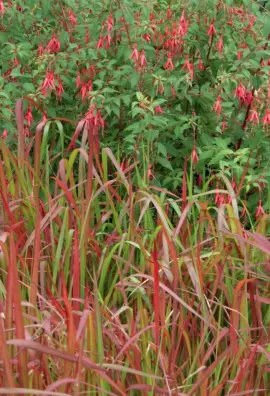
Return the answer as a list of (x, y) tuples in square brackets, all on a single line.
[(58, 255), (35, 265), (76, 271), (156, 293), (18, 314), (99, 333)]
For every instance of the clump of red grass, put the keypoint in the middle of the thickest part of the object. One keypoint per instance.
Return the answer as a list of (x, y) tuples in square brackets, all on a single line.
[(107, 289)]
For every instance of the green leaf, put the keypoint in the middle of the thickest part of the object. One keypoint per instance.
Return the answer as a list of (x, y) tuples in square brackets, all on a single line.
[(165, 163)]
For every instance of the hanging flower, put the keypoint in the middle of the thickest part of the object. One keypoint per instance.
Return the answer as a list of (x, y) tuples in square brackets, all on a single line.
[(78, 80), (189, 66), (48, 83), (40, 49), (29, 116), (217, 107), (135, 53), (5, 134), (2, 8), (169, 64), (194, 155), (211, 31), (142, 59), (59, 88), (220, 45), (53, 45), (200, 65), (100, 42), (259, 211), (86, 36), (158, 110), (266, 118), (72, 17), (253, 117), (240, 92)]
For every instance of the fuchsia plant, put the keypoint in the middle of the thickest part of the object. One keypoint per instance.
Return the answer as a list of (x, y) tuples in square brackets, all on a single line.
[(210, 58)]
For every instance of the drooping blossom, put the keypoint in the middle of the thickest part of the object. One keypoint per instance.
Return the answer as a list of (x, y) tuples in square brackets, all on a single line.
[(110, 23), (194, 155), (59, 88), (53, 45), (220, 45), (224, 125), (2, 8), (253, 117), (183, 28), (29, 116), (135, 53), (72, 17), (48, 83), (200, 65), (169, 13), (5, 134), (240, 92), (169, 64), (266, 118), (211, 31), (158, 110), (44, 116), (259, 211), (142, 59), (86, 36), (78, 80), (189, 66), (100, 42), (83, 91), (217, 107), (40, 49)]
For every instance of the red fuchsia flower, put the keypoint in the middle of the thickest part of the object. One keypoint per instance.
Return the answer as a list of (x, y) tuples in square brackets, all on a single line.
[(135, 53), (53, 45), (100, 42), (189, 66), (86, 36), (59, 88), (248, 98), (211, 31), (183, 28), (16, 62), (169, 64), (78, 80), (200, 65), (110, 23), (48, 83), (266, 118), (169, 13), (2, 8), (93, 118), (199, 180), (83, 91), (194, 155), (224, 125), (217, 107), (147, 38), (40, 49), (220, 45), (108, 38), (5, 134), (72, 18), (259, 211), (253, 117), (173, 92), (240, 92), (142, 59), (219, 199), (158, 110), (29, 116)]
